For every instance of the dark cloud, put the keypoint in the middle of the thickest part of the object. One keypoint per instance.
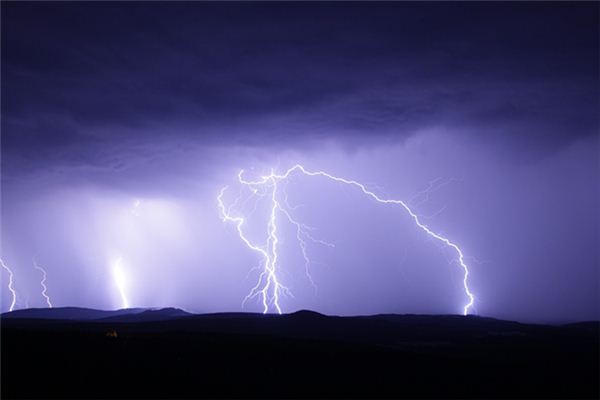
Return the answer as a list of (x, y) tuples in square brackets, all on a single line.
[(79, 73), (108, 103)]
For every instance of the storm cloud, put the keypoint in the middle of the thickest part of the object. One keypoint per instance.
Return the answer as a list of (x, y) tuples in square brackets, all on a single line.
[(109, 102)]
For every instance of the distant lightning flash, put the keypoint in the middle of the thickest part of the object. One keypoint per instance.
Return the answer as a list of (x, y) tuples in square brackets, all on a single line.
[(118, 272), (119, 277), (269, 286), (10, 285), (43, 284)]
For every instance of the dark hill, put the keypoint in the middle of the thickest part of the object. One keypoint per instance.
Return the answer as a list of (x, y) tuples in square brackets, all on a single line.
[(70, 313), (168, 353), (163, 314)]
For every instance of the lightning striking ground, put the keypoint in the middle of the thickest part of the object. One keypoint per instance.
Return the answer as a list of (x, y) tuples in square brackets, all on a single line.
[(43, 284), (10, 286), (119, 277), (269, 286)]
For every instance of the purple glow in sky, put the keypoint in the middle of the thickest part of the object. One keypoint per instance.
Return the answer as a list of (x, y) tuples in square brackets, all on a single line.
[(121, 124)]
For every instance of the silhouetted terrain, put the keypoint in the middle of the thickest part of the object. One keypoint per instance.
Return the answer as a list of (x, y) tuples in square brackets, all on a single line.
[(70, 313), (72, 352)]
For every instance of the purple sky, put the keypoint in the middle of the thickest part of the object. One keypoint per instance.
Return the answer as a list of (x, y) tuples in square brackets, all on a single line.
[(105, 105)]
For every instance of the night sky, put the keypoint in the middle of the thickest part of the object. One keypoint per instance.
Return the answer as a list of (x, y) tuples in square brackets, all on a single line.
[(121, 122)]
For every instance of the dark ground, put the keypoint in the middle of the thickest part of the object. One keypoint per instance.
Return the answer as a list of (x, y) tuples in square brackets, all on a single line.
[(167, 353)]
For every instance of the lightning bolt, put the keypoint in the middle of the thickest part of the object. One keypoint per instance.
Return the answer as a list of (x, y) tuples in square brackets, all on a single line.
[(10, 286), (43, 283), (119, 277), (269, 287), (117, 268), (301, 235)]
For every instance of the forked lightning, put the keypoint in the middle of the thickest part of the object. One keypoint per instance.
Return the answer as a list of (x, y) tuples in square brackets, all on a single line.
[(269, 286)]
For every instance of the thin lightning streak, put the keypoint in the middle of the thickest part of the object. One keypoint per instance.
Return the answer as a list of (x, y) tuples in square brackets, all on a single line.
[(435, 214), (287, 203), (270, 255), (43, 283), (301, 230), (239, 222), (433, 186), (10, 286)]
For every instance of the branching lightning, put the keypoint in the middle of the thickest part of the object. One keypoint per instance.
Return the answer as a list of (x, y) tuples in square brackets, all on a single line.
[(269, 286), (43, 284), (10, 286)]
